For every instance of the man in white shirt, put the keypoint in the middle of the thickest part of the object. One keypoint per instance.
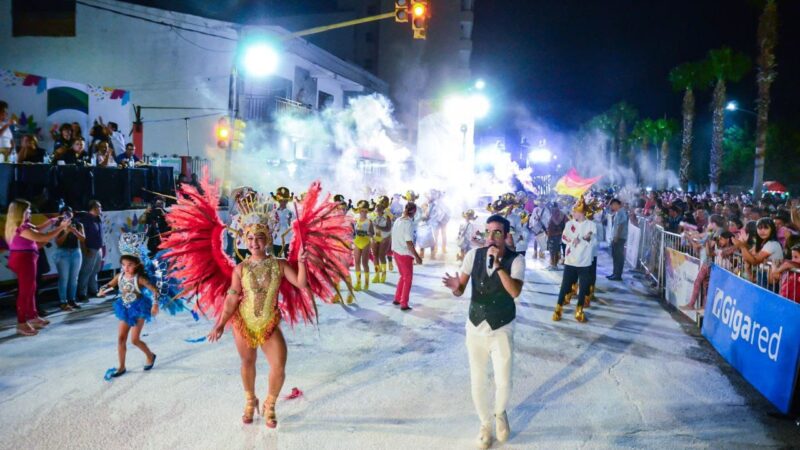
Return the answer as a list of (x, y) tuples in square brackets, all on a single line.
[(6, 136), (284, 217), (497, 274), (404, 254), (579, 236)]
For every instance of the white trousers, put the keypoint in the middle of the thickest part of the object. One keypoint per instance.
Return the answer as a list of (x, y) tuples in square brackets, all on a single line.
[(498, 346)]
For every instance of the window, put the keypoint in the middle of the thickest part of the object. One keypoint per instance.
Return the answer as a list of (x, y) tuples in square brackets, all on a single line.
[(324, 100), (43, 18)]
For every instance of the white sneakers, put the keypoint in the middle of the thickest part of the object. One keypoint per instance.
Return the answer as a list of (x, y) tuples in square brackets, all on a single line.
[(501, 427), (485, 437)]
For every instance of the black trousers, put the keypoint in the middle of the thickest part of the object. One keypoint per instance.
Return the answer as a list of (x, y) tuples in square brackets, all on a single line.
[(593, 275), (583, 275), (618, 256)]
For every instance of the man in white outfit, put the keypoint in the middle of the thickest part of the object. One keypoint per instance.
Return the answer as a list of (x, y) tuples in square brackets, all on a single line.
[(497, 276)]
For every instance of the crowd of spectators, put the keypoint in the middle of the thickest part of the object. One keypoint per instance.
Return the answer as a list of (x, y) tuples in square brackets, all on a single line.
[(758, 240)]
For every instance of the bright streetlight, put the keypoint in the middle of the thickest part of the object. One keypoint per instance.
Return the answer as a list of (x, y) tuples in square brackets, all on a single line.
[(733, 106), (475, 106), (540, 155), (260, 60), (480, 84)]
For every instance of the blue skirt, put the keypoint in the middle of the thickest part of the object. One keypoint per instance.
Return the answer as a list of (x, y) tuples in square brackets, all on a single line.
[(130, 314)]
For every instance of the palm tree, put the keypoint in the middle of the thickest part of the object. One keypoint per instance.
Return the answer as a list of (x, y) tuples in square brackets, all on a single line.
[(767, 39), (665, 130), (725, 65), (604, 124), (643, 133), (687, 77), (621, 114)]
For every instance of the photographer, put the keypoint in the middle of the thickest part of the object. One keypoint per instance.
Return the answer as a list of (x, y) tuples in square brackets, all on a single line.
[(68, 261), (156, 222)]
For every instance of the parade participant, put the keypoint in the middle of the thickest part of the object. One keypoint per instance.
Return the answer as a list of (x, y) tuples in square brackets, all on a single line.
[(497, 274), (263, 289), (22, 238), (538, 225), (283, 228), (239, 195), (131, 307), (426, 225), (555, 227), (468, 234), (363, 232), (439, 218), (579, 236), (396, 209), (405, 254), (381, 220), (343, 207)]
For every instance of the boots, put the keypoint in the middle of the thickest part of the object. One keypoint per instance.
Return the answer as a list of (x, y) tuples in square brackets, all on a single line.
[(570, 294), (357, 287), (557, 313), (579, 315), (377, 278), (391, 266), (383, 273), (366, 281)]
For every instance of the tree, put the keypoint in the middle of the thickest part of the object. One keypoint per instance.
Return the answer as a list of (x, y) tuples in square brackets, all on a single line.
[(725, 65), (767, 40), (738, 143), (644, 132), (621, 114), (665, 130), (604, 124), (687, 77)]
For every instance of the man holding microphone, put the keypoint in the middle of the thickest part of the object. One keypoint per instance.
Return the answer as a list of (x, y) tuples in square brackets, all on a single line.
[(497, 276)]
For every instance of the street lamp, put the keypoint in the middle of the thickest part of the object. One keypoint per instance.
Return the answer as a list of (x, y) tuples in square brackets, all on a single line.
[(480, 84), (260, 59), (733, 106)]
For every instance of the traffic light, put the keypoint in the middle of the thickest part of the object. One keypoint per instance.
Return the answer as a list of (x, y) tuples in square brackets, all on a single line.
[(238, 134), (401, 11), (223, 133), (419, 18)]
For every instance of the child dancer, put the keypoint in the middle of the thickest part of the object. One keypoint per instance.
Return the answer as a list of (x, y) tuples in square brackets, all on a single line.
[(131, 307)]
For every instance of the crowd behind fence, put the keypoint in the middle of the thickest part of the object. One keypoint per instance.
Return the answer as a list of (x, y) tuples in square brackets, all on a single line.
[(651, 259)]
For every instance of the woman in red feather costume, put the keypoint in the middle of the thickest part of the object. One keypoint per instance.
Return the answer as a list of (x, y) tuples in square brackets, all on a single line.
[(262, 290)]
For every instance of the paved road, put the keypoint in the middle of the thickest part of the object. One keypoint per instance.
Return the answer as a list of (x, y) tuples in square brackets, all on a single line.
[(376, 378)]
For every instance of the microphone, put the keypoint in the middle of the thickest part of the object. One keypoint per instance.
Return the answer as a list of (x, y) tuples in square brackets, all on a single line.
[(491, 259)]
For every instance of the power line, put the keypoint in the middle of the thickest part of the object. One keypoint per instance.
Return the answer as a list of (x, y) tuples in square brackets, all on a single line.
[(157, 22), (174, 30)]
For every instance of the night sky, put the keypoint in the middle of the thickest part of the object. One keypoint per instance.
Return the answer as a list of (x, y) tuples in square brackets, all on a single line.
[(567, 60)]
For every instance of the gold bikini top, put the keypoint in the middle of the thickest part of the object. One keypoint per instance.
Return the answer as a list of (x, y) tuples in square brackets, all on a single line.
[(260, 283)]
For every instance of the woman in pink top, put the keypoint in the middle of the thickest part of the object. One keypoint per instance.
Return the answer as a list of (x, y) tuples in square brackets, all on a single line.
[(22, 237)]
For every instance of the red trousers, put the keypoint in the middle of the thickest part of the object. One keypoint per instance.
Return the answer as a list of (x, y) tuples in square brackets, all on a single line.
[(24, 265), (405, 264)]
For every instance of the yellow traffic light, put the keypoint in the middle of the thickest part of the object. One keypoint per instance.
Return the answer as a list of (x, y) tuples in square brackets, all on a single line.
[(401, 11), (238, 134), (419, 23), (223, 132)]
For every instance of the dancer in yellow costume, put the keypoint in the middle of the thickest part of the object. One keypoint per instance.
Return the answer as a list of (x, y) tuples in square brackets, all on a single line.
[(344, 207), (382, 223), (252, 301), (363, 232)]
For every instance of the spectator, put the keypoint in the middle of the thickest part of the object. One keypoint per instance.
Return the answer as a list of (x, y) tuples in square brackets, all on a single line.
[(784, 226), (6, 136), (77, 132), (30, 151), (68, 261), (128, 158), (673, 220), (156, 222), (701, 220), (75, 155), (105, 155), (117, 138), (63, 138), (22, 238), (789, 276), (99, 133), (766, 249), (734, 225), (92, 251)]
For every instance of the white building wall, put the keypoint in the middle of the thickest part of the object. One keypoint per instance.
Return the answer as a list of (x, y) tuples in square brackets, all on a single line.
[(160, 65)]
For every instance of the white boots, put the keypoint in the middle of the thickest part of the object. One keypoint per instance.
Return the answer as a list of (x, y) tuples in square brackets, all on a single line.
[(485, 437), (501, 427)]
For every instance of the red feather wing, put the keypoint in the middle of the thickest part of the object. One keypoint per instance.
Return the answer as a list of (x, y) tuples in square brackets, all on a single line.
[(195, 246), (326, 234)]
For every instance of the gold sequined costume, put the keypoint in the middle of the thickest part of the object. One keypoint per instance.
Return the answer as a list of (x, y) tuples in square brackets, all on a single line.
[(258, 313)]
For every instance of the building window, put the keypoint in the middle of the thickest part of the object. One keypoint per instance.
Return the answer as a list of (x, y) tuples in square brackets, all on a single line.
[(324, 100), (43, 18), (466, 31)]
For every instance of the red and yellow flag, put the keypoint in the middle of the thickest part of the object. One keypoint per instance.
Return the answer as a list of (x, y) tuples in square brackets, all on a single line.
[(572, 184)]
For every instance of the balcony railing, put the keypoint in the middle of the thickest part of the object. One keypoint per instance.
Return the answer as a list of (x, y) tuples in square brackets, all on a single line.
[(264, 108)]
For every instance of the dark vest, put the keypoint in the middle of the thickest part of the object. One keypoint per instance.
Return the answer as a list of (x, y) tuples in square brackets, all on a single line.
[(490, 301)]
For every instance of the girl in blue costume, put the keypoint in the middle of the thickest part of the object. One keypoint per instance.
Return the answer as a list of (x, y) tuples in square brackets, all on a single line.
[(131, 307)]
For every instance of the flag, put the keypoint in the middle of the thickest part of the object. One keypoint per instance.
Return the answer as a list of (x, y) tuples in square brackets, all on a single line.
[(572, 184)]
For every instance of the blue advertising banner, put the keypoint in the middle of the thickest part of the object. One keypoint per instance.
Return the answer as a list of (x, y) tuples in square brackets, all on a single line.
[(757, 332)]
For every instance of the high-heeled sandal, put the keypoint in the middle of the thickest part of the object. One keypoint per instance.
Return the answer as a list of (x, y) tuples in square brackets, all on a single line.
[(270, 418), (250, 407)]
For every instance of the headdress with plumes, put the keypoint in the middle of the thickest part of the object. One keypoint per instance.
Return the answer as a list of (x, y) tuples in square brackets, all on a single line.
[(382, 201), (593, 207), (131, 244), (411, 196), (580, 206), (256, 214), (282, 194), (469, 214), (362, 205)]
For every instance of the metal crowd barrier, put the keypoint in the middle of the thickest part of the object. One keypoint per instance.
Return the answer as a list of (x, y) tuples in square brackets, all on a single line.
[(655, 240)]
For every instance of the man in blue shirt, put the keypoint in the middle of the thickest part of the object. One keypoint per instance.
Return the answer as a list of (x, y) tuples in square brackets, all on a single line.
[(128, 158), (619, 234), (92, 251)]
